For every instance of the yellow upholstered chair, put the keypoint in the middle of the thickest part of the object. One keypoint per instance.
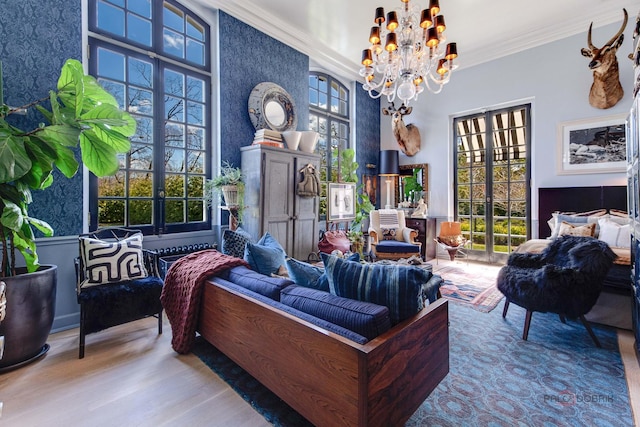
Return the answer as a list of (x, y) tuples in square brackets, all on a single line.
[(450, 239), (389, 236)]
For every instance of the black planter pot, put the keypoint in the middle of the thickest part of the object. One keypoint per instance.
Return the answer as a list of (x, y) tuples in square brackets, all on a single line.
[(31, 302)]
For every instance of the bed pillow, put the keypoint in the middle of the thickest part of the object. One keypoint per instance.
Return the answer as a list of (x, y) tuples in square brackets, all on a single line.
[(615, 234), (576, 219), (397, 287), (585, 230), (112, 261), (234, 241)]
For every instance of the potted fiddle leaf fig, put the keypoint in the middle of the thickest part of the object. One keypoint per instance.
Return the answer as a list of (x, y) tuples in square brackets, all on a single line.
[(77, 113)]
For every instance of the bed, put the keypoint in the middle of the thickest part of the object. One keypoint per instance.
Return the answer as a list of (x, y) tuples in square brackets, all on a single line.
[(614, 306)]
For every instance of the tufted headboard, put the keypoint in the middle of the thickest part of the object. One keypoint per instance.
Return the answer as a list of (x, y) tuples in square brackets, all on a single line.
[(577, 199)]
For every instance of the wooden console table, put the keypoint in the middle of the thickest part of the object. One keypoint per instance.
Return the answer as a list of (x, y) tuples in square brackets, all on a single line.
[(426, 228)]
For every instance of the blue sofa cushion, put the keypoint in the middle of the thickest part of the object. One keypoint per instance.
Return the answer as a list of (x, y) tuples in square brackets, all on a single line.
[(396, 247), (266, 256), (311, 276), (336, 329), (249, 279), (397, 287), (365, 318)]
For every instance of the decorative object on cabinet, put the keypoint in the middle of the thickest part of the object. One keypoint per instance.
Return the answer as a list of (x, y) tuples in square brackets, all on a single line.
[(606, 89), (342, 198), (426, 228), (271, 179), (309, 186), (271, 107), (292, 138), (595, 145), (272, 138), (407, 136), (389, 169), (308, 141)]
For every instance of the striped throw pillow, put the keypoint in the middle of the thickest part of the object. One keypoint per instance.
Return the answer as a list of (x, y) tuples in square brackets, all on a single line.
[(397, 287)]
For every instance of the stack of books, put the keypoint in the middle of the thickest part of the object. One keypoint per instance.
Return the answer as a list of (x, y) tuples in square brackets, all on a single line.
[(269, 137)]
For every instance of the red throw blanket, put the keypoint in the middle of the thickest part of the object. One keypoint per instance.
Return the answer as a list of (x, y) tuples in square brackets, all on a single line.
[(182, 290)]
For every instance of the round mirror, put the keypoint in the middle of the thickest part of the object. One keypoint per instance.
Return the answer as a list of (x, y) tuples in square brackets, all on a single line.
[(274, 113), (271, 107)]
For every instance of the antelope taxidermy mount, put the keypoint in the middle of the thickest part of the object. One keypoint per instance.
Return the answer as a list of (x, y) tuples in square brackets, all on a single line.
[(408, 136), (606, 89)]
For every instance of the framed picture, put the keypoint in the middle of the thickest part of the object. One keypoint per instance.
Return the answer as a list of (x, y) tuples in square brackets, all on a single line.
[(342, 201), (369, 184), (592, 145)]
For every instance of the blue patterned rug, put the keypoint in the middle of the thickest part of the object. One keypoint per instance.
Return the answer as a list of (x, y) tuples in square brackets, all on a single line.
[(556, 378)]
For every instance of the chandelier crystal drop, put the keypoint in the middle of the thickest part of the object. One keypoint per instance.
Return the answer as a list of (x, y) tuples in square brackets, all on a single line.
[(408, 53)]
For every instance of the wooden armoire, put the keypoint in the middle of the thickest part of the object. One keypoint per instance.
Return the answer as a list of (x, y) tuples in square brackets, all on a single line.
[(272, 203)]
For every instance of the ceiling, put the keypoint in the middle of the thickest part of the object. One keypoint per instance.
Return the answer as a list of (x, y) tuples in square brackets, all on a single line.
[(334, 32)]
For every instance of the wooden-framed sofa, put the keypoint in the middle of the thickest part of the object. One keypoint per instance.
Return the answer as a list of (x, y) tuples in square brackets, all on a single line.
[(329, 379)]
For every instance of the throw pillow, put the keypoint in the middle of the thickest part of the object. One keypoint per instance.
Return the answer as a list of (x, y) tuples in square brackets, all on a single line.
[(576, 219), (614, 234), (397, 287), (586, 230), (263, 259), (311, 276), (233, 242), (304, 274), (112, 262), (389, 233), (269, 241)]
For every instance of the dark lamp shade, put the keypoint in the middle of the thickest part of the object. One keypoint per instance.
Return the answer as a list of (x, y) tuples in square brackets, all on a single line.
[(440, 25), (366, 57), (425, 19), (434, 5), (452, 51), (374, 36), (379, 19), (389, 163), (432, 37), (391, 44), (392, 21)]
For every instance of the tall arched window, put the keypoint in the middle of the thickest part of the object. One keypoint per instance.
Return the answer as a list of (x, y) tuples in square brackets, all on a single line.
[(329, 116), (154, 58)]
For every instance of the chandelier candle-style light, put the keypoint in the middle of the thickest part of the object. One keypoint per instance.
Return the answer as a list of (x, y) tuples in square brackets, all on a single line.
[(413, 55)]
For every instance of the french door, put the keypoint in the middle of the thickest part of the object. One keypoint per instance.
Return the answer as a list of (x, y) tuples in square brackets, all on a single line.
[(491, 180)]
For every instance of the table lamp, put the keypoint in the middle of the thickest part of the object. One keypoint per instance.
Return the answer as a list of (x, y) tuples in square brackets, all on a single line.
[(389, 168)]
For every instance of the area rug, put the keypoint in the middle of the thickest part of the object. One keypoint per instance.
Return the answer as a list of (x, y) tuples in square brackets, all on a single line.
[(473, 285), (556, 378)]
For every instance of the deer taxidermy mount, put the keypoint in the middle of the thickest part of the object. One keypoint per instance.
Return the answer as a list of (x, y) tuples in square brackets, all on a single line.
[(408, 136), (606, 89)]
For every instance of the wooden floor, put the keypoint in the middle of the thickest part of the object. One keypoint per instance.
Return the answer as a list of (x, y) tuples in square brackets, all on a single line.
[(130, 376)]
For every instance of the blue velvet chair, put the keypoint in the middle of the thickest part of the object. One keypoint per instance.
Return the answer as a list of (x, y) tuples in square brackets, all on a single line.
[(389, 236), (127, 295), (565, 278)]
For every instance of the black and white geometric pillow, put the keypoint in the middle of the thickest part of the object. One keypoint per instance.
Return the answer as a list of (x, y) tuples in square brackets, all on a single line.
[(234, 242), (112, 262)]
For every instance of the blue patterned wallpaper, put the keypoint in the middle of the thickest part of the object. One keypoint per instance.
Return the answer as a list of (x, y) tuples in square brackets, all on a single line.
[(249, 57), (36, 37), (367, 131)]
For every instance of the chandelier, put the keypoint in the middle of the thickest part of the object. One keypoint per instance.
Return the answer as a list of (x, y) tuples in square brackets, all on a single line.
[(413, 55)]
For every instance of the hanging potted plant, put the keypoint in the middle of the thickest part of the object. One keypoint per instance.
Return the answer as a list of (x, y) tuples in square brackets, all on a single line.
[(82, 114), (230, 185)]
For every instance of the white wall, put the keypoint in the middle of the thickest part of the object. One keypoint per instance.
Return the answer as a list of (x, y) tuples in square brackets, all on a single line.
[(554, 78)]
